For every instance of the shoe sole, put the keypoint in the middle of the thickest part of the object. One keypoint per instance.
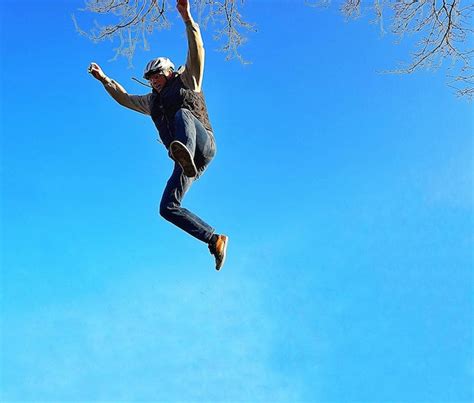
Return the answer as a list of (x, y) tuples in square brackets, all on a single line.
[(226, 243), (181, 155)]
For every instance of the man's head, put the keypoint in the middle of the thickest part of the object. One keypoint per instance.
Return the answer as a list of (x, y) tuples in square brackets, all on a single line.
[(157, 71)]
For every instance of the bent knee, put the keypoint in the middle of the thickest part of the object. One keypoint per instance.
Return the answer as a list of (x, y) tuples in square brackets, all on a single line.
[(183, 113), (164, 211), (167, 210)]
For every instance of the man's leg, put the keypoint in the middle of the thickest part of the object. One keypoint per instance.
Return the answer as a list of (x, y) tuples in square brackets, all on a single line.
[(171, 210), (204, 153), (205, 148), (185, 129), (183, 148), (193, 150)]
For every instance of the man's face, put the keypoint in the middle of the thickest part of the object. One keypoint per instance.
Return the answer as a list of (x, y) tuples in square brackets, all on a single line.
[(158, 80)]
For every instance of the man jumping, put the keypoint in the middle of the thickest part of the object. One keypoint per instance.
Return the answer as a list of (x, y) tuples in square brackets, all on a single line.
[(178, 110)]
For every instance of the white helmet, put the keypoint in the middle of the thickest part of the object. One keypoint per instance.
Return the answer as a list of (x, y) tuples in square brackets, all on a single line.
[(159, 65)]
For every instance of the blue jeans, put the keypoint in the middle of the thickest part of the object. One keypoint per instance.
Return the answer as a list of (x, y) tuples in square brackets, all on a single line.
[(201, 145)]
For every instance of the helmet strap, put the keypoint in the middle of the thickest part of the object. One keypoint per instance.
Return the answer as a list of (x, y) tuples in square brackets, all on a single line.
[(142, 83)]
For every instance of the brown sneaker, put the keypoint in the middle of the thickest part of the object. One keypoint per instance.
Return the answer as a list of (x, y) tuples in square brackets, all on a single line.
[(180, 153), (219, 249)]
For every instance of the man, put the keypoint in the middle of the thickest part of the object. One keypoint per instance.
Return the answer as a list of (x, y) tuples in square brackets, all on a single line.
[(178, 110)]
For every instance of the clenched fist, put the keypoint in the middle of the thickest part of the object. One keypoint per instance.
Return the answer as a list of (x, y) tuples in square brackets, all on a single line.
[(97, 72), (184, 9)]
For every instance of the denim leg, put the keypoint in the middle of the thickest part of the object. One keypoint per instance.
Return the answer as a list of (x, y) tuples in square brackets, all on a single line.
[(171, 210), (185, 129), (205, 148), (200, 143)]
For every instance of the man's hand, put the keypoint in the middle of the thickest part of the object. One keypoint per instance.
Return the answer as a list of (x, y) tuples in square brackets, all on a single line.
[(97, 72), (184, 9)]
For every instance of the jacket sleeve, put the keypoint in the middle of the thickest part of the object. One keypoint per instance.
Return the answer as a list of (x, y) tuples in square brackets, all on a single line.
[(194, 70), (138, 103)]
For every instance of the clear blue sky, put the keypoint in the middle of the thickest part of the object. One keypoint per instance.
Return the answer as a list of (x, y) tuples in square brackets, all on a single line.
[(347, 196)]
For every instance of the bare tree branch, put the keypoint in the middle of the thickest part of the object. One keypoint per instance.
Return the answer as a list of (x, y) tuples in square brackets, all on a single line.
[(442, 26), (226, 14), (132, 21)]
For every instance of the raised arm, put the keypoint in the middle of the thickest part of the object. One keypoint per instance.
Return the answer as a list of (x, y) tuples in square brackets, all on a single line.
[(194, 69), (139, 103)]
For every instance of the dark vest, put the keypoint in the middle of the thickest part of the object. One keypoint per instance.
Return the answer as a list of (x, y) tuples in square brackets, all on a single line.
[(174, 96)]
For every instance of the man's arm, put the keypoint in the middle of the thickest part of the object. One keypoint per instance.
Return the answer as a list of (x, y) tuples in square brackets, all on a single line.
[(194, 69), (139, 103)]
